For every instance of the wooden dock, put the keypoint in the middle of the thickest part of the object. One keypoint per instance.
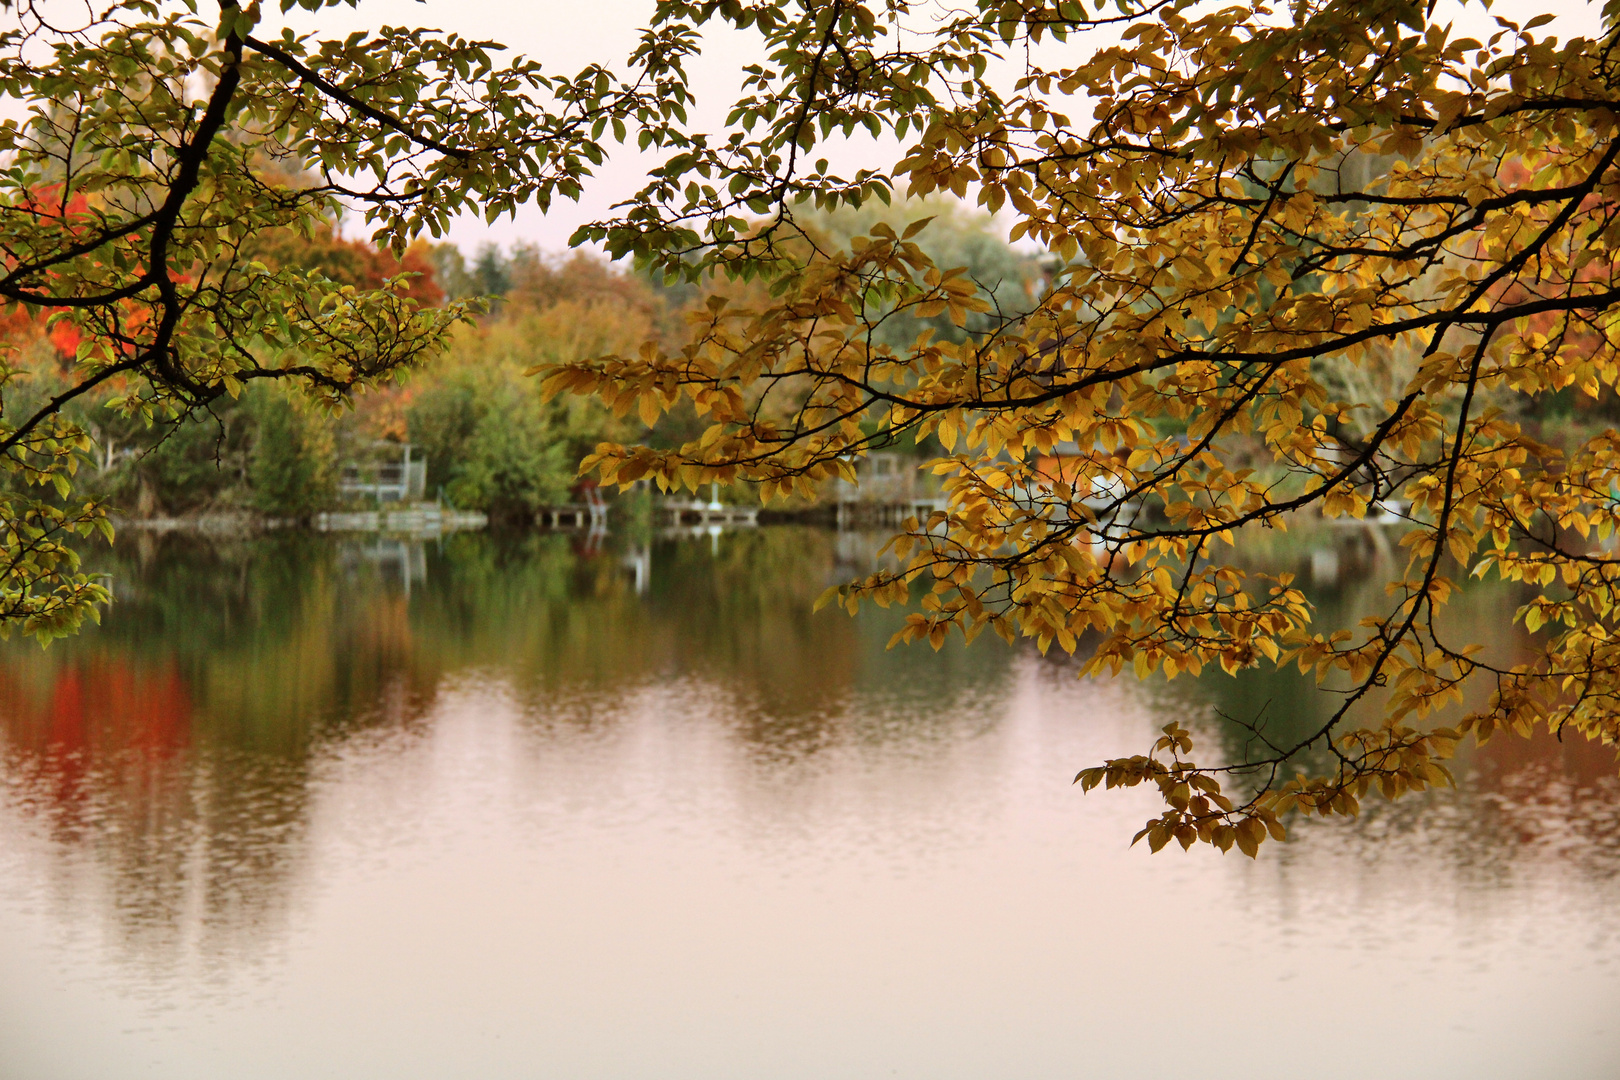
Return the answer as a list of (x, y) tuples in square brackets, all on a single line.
[(892, 488), (572, 517), (695, 513), (590, 515)]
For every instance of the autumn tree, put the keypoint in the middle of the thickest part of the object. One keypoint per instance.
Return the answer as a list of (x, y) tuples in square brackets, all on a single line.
[(492, 444), (1347, 234), (145, 204)]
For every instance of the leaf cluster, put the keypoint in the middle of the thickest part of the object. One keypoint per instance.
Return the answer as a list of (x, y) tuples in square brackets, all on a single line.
[(1329, 248)]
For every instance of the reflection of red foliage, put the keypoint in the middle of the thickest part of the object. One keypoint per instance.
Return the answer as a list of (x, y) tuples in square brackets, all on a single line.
[(1584, 762), (95, 711), (1560, 796), (109, 704)]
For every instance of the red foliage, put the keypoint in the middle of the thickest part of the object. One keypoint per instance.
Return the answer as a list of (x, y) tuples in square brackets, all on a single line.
[(1516, 175), (352, 262)]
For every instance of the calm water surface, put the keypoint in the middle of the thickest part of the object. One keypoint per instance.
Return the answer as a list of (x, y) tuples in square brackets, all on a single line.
[(515, 808)]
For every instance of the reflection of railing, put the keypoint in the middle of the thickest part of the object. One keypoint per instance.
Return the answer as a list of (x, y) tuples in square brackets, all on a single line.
[(694, 516), (400, 560), (858, 513), (699, 515), (420, 519), (637, 563)]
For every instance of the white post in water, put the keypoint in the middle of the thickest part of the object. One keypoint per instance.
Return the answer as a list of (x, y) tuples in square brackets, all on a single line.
[(714, 496)]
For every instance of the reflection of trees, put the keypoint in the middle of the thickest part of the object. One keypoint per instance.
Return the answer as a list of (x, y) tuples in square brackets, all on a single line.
[(175, 745), (173, 749), (1284, 705), (106, 752), (555, 621), (1559, 798), (1526, 814), (1515, 797), (737, 614)]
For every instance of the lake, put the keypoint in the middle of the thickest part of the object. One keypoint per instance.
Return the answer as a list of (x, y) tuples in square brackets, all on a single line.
[(550, 806)]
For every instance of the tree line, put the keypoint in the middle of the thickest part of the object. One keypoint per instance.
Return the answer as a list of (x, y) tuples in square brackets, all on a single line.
[(491, 442)]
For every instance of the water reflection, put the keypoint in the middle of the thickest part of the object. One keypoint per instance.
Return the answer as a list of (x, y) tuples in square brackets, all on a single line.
[(1519, 806), (175, 743), (554, 766)]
